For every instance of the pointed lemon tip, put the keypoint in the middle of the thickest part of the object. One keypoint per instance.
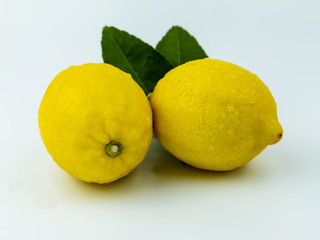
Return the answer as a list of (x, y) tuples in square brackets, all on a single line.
[(277, 134)]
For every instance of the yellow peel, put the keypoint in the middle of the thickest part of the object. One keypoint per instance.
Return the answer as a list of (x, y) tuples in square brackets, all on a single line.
[(87, 107), (214, 115)]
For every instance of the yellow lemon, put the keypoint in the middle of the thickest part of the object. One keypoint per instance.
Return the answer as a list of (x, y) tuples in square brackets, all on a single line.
[(95, 122), (214, 115)]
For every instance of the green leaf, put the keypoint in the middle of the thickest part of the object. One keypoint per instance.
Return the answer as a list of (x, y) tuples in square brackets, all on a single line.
[(133, 56), (179, 47)]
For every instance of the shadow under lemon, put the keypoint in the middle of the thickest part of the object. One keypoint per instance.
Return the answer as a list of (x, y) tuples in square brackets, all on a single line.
[(121, 186), (158, 170)]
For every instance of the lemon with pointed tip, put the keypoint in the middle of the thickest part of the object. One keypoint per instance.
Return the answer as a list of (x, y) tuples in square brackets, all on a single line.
[(214, 115), (96, 122)]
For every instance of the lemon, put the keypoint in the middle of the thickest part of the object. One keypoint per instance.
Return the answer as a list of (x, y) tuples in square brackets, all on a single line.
[(96, 122), (214, 115)]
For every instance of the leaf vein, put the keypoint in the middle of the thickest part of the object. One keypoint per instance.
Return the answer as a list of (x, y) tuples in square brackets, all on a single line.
[(178, 47), (126, 60)]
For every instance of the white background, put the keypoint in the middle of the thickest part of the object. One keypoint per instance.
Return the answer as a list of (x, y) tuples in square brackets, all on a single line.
[(276, 196)]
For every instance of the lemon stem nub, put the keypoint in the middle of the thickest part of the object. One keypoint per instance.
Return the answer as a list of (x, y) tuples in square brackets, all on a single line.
[(114, 148)]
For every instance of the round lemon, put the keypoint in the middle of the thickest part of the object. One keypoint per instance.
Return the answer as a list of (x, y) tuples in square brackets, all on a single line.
[(214, 115), (95, 122)]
